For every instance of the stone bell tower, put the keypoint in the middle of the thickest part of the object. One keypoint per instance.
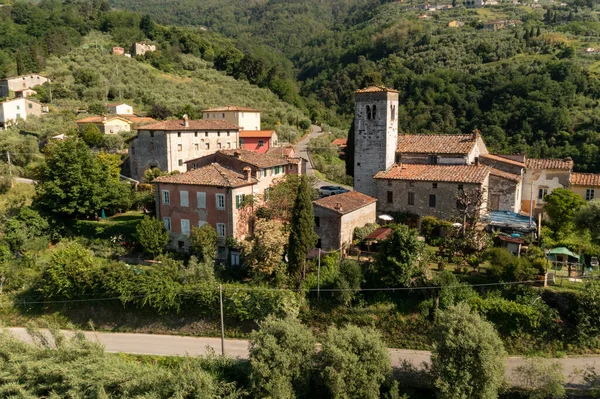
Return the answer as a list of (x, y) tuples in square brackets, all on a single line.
[(375, 135)]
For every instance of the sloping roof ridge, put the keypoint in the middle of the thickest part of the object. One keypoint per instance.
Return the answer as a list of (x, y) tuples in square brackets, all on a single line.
[(218, 167)]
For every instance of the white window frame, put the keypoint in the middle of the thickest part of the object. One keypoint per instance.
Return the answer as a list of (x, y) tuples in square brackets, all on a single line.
[(184, 198), (201, 200), (167, 223), (239, 200), (589, 194), (223, 227), (166, 199), (220, 198), (185, 227)]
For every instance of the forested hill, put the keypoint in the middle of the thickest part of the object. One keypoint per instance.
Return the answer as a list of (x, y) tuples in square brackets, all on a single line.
[(529, 88)]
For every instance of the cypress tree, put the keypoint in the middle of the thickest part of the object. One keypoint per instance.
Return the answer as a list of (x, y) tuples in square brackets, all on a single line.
[(302, 231)]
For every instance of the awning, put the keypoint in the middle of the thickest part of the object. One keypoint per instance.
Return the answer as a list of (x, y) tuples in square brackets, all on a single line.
[(510, 220), (562, 251)]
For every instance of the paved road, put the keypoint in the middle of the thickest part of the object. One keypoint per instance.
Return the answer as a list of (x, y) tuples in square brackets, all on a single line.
[(302, 147), (172, 345)]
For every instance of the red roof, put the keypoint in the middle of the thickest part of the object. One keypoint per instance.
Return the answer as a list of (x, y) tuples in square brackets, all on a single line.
[(380, 234), (376, 89), (565, 164), (178, 125), (436, 173), (340, 142), (256, 159), (346, 202), (436, 143), (209, 175), (267, 134), (514, 240), (231, 108), (504, 175), (503, 160), (585, 179)]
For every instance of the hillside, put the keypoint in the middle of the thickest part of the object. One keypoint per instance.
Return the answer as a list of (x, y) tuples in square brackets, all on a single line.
[(532, 87)]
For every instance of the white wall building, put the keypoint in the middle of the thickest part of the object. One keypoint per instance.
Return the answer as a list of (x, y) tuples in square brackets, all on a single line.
[(19, 108), (246, 118), (120, 109), (20, 83)]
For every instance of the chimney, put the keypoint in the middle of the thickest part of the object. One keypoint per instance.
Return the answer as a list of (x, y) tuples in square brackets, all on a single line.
[(248, 172), (338, 206), (104, 118), (186, 122), (237, 154), (476, 134)]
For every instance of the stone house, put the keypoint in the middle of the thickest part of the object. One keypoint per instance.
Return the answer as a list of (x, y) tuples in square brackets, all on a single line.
[(429, 190), (504, 191), (167, 145), (440, 149), (586, 185), (142, 48), (107, 124), (20, 108), (212, 194), (540, 178), (246, 118), (259, 141), (265, 168), (337, 216), (20, 83)]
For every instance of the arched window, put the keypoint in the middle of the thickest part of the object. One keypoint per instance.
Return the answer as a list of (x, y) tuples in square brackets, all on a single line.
[(393, 111), (368, 112), (374, 111)]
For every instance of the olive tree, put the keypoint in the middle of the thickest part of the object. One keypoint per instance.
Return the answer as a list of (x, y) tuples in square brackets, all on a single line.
[(467, 360)]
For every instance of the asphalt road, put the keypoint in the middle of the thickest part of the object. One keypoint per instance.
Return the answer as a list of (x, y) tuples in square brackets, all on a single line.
[(172, 345)]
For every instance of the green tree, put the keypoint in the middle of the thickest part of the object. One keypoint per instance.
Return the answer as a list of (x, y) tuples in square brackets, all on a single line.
[(199, 272), (282, 356), (302, 232), (561, 205), (203, 242), (588, 218), (347, 281), (349, 153), (354, 362), (74, 182), (467, 360), (588, 309), (92, 135), (152, 235), (397, 262), (263, 252), (24, 227), (541, 379)]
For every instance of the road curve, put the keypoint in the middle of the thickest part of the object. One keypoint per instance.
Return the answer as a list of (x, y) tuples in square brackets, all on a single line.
[(173, 345)]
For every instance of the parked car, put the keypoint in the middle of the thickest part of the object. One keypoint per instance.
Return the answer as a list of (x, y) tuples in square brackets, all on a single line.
[(326, 191)]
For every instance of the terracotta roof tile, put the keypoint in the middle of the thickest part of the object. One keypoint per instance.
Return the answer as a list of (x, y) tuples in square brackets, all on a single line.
[(380, 234), (138, 120), (282, 151), (346, 202), (209, 175), (178, 125), (585, 179), (256, 134), (436, 143), (256, 159), (340, 142), (376, 89), (100, 119), (231, 108), (504, 175), (436, 173), (566, 164), (502, 159)]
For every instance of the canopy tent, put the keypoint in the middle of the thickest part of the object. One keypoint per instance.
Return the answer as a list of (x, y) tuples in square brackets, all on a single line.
[(506, 220), (562, 251)]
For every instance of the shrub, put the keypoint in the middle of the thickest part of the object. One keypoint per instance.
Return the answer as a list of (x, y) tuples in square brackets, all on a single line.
[(509, 317), (152, 235), (432, 229), (541, 379), (361, 232)]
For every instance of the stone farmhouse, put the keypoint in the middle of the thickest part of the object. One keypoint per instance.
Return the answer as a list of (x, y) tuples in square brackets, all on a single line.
[(107, 124), (19, 84), (422, 174), (167, 145), (337, 216), (142, 48)]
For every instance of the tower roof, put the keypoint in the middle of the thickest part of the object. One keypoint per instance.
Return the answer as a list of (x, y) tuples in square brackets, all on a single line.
[(376, 89)]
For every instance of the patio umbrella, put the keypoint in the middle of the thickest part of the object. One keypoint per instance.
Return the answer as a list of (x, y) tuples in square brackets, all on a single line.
[(103, 215)]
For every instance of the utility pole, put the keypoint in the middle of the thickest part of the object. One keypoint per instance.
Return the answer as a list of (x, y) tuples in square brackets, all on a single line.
[(222, 323)]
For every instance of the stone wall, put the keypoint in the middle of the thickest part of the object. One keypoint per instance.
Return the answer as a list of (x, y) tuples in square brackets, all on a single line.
[(20, 83), (375, 139), (336, 230), (445, 197), (504, 194), (503, 166)]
